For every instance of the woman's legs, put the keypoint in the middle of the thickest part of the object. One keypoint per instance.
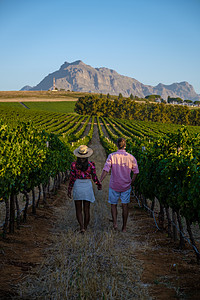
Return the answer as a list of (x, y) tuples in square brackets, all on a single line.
[(79, 215), (86, 208)]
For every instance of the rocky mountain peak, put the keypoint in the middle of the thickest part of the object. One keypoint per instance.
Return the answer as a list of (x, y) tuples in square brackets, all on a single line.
[(75, 63), (77, 76)]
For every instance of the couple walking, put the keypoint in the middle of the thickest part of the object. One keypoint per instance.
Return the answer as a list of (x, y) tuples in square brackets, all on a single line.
[(120, 163)]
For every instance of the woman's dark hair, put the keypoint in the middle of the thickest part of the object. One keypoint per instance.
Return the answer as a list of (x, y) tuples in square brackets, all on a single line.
[(82, 163)]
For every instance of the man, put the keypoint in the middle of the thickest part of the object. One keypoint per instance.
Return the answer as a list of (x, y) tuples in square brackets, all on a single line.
[(121, 163)]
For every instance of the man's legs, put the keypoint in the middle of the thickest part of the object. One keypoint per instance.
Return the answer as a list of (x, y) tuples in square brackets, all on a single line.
[(124, 216), (114, 215)]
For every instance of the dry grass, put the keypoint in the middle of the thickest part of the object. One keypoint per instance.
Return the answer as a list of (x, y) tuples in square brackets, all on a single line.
[(101, 264), (12, 96), (97, 265)]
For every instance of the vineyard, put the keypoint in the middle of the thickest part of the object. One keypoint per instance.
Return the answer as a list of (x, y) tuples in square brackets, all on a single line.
[(37, 150)]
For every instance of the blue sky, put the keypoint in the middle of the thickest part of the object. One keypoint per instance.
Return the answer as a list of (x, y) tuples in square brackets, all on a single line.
[(152, 41)]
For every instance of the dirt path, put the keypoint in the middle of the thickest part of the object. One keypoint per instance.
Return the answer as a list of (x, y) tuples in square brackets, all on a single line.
[(99, 265), (49, 259)]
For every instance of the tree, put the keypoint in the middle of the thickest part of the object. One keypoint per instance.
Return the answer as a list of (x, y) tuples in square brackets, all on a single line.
[(128, 109), (131, 96), (179, 100), (153, 97), (188, 101), (163, 101), (120, 96), (172, 100), (108, 96)]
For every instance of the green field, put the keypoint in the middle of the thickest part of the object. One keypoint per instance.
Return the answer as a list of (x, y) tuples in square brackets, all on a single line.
[(58, 106), (11, 104)]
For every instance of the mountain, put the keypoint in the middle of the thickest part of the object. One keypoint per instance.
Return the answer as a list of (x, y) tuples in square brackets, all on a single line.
[(77, 76), (26, 88)]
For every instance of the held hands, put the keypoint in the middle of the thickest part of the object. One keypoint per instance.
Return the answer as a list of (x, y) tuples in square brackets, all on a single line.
[(99, 187)]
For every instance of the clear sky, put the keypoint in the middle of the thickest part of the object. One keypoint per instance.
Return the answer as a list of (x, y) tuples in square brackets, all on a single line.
[(152, 41)]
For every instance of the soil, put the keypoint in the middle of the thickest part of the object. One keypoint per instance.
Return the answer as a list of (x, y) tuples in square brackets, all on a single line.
[(166, 271)]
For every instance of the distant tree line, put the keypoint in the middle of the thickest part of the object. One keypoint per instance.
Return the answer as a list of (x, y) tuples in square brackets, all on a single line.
[(131, 109)]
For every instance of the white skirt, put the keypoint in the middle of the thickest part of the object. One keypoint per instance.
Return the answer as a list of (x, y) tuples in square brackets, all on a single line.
[(83, 190)]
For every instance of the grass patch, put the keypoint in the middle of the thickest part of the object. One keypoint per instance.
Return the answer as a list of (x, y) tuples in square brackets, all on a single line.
[(10, 104), (58, 107), (100, 264)]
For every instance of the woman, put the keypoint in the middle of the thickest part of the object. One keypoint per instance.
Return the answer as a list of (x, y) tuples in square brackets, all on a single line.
[(81, 173)]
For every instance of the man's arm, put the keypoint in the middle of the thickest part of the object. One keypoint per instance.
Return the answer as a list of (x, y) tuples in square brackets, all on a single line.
[(133, 179), (103, 175)]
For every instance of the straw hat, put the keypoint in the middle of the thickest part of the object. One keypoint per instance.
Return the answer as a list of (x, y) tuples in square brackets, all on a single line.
[(83, 151)]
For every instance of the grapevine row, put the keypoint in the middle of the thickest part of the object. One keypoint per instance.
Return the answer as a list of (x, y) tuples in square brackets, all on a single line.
[(169, 172), (29, 158), (108, 144)]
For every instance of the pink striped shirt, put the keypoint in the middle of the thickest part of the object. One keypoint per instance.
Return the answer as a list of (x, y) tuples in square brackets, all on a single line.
[(121, 164)]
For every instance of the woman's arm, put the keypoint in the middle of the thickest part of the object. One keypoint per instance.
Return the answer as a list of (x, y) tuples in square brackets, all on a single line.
[(72, 179), (94, 176)]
